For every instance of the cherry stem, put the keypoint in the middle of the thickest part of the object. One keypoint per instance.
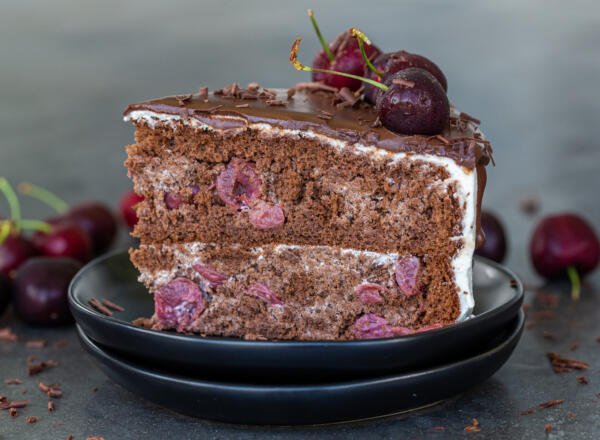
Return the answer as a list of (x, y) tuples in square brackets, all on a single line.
[(299, 66), (361, 38), (324, 44), (44, 196), (575, 283), (13, 201), (5, 228), (35, 225)]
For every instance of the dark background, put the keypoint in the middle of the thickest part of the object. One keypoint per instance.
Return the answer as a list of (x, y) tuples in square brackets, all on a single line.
[(528, 69)]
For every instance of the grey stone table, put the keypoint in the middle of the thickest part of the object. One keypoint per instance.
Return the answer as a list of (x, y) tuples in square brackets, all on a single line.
[(529, 69)]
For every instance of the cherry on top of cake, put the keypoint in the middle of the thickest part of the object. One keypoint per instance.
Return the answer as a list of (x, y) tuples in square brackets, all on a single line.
[(337, 114)]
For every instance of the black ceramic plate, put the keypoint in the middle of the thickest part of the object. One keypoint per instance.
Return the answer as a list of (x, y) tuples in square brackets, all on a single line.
[(498, 297), (248, 403)]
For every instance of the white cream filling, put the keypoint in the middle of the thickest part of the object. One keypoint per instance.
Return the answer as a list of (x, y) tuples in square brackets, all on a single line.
[(464, 178)]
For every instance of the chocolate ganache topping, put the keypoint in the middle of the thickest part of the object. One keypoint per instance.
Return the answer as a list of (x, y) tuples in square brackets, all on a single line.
[(338, 114)]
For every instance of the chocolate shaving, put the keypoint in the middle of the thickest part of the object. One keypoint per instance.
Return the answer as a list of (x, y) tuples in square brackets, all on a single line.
[(291, 92), (51, 406), (7, 335), (13, 412), (13, 381), (582, 380), (275, 102), (547, 428), (574, 346), (36, 343), (50, 390), (95, 437), (100, 307), (348, 96), (242, 105), (467, 117), (142, 322), (473, 427), (550, 403), (182, 99), (203, 92), (253, 87), (31, 419), (376, 123), (34, 367), (14, 404), (112, 305), (249, 95), (562, 364), (403, 83)]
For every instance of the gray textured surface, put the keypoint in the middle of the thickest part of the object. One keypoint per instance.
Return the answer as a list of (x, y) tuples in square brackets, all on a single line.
[(528, 69)]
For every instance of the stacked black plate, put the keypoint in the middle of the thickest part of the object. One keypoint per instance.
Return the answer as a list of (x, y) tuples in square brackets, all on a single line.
[(270, 382)]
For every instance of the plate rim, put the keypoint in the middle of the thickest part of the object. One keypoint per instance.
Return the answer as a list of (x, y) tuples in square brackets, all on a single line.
[(220, 341), (514, 336)]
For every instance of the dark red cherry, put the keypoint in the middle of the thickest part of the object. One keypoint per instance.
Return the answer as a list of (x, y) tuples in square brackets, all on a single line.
[(15, 250), (40, 290), (392, 62), (380, 63), (562, 241), (127, 205), (5, 293), (415, 103), (97, 221), (494, 246), (65, 240), (348, 59)]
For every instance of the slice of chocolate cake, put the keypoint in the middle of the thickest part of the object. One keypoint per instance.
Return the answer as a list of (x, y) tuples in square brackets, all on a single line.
[(274, 214)]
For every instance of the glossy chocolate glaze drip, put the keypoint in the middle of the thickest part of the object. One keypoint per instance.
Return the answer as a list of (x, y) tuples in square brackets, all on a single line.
[(318, 111)]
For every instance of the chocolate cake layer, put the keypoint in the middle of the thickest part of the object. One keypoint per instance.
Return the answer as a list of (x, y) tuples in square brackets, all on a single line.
[(324, 195), (316, 108), (294, 292)]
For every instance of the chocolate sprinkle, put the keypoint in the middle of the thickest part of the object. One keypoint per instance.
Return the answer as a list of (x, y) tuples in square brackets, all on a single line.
[(550, 403), (182, 99), (14, 404), (562, 364), (112, 305), (13, 381), (100, 307), (51, 406), (203, 92), (36, 343), (31, 419), (582, 380), (547, 428), (7, 335), (34, 367)]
